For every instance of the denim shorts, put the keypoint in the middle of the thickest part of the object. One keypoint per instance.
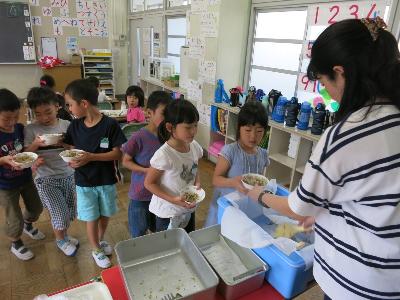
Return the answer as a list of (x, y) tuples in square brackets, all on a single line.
[(96, 201)]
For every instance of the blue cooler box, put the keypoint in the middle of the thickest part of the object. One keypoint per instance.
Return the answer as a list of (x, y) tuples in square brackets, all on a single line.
[(289, 275)]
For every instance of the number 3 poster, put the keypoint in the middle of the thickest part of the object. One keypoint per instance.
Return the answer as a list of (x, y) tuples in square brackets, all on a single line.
[(319, 17)]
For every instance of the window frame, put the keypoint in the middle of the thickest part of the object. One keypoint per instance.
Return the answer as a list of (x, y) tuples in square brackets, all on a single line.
[(167, 36)]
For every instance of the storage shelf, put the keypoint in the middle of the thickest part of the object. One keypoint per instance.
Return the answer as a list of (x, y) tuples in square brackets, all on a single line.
[(283, 159), (98, 67), (303, 133), (94, 73), (97, 56), (227, 107), (300, 169), (165, 87)]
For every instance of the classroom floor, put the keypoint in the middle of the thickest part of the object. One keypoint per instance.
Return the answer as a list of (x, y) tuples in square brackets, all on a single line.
[(51, 270)]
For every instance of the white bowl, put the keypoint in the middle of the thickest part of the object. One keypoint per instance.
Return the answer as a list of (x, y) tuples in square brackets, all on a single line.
[(66, 154), (258, 176), (193, 189), (28, 163), (51, 138)]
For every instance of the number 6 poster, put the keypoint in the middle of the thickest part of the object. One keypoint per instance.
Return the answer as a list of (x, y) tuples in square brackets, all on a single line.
[(319, 17)]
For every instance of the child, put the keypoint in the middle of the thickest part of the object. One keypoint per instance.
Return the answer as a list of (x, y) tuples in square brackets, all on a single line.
[(241, 157), (134, 97), (96, 82), (95, 170), (47, 81), (174, 166), (137, 154), (16, 182), (54, 179)]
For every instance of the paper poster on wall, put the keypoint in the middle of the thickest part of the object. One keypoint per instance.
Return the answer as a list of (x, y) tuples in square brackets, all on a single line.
[(156, 44), (64, 12), (34, 3), (209, 24), (213, 2), (92, 18), (25, 50), (47, 11), (196, 47), (49, 46), (207, 71), (36, 21), (204, 113), (59, 3), (72, 44), (194, 90), (197, 6), (188, 23)]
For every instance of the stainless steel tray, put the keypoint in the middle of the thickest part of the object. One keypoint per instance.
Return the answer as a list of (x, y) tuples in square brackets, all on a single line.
[(162, 263), (250, 275)]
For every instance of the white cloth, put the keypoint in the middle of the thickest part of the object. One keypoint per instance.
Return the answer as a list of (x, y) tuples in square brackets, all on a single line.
[(180, 170), (102, 97), (352, 187)]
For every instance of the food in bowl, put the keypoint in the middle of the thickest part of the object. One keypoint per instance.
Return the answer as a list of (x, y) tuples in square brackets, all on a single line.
[(255, 179), (25, 159), (190, 197), (69, 155)]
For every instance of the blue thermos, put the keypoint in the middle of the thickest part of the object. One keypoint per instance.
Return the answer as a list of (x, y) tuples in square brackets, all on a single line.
[(304, 116), (278, 114)]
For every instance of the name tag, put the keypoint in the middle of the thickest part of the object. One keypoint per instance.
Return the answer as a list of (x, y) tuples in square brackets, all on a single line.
[(104, 143)]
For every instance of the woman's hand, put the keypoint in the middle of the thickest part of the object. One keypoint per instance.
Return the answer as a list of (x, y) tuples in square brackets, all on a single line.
[(81, 160), (181, 201), (255, 192)]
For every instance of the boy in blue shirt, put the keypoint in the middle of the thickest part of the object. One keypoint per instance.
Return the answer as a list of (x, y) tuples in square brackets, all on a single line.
[(96, 170), (16, 182)]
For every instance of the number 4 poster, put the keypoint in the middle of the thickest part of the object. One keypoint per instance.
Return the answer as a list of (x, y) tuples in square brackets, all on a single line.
[(319, 17)]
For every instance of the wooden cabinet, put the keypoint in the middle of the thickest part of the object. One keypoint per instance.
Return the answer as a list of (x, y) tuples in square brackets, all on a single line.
[(63, 75)]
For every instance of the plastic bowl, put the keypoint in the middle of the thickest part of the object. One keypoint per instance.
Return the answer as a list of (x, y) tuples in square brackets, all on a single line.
[(28, 159), (191, 189), (257, 176), (70, 155), (51, 138)]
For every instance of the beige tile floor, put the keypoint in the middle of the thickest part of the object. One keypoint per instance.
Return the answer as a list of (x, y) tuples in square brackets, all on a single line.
[(50, 270)]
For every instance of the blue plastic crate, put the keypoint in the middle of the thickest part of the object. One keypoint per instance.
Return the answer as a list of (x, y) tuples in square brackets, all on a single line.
[(287, 274)]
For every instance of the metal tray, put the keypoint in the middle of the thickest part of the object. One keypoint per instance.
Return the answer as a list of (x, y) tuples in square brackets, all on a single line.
[(248, 277), (163, 263)]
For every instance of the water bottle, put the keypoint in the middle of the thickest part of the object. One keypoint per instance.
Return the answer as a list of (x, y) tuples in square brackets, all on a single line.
[(278, 114), (292, 110), (319, 119), (304, 117)]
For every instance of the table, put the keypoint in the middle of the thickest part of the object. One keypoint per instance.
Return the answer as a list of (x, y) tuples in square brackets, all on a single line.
[(118, 115), (113, 279)]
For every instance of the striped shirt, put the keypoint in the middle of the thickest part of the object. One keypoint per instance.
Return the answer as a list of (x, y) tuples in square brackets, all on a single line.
[(351, 185)]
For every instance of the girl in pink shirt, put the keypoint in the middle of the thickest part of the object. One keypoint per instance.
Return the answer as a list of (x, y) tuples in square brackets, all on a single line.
[(134, 97)]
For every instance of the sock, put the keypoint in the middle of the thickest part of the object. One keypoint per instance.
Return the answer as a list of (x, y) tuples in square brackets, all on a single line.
[(17, 244)]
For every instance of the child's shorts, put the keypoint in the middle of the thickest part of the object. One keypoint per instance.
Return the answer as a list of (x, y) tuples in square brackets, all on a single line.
[(94, 202)]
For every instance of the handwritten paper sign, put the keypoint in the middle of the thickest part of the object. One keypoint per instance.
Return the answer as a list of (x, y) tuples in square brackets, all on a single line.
[(34, 3), (198, 6), (196, 47), (209, 24), (36, 21), (207, 71), (92, 18), (59, 3), (64, 12), (47, 11), (194, 90)]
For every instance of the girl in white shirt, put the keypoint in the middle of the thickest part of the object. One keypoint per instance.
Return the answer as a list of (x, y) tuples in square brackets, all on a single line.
[(174, 166)]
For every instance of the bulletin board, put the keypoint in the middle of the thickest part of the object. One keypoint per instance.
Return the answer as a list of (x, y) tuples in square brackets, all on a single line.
[(17, 44), (74, 23)]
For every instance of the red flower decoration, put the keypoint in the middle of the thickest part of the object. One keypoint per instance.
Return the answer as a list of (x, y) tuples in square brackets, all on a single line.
[(47, 62)]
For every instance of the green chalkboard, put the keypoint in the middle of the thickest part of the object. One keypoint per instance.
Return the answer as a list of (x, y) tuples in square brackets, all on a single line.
[(16, 36)]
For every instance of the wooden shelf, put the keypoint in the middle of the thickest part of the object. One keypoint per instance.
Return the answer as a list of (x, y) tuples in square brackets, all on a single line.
[(293, 130), (227, 107), (163, 86), (300, 169), (283, 159)]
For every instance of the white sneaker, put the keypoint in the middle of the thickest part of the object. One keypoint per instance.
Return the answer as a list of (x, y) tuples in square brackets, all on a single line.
[(22, 253), (106, 247), (101, 259), (68, 248), (34, 233), (73, 240)]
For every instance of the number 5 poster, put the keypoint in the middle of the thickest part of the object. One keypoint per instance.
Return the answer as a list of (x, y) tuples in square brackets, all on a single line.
[(319, 17)]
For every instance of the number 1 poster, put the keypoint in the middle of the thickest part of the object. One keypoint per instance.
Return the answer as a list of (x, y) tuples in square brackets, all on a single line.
[(319, 17)]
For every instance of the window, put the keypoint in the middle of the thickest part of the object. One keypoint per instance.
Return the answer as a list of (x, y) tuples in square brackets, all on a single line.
[(176, 35), (277, 45), (141, 5), (175, 3)]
